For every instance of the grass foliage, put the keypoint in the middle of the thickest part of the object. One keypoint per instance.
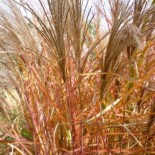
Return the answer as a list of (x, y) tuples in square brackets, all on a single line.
[(79, 81)]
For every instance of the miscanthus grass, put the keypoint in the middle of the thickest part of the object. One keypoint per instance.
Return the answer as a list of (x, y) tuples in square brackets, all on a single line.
[(79, 79)]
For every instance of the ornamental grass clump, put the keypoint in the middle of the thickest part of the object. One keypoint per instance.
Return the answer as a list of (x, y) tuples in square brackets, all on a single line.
[(80, 79)]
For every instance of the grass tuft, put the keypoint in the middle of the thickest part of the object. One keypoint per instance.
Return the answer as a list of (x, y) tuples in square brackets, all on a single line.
[(80, 79)]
